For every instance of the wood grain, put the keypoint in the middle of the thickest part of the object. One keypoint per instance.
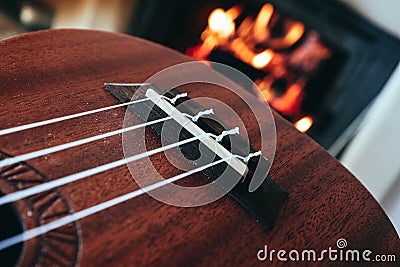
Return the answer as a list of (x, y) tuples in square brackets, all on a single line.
[(54, 73)]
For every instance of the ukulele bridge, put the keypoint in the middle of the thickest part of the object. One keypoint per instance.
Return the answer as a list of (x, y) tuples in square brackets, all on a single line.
[(264, 203)]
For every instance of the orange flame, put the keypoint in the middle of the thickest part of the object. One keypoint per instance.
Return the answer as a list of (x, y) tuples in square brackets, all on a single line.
[(260, 30), (252, 43), (289, 103), (221, 26), (234, 12), (304, 124), (261, 60), (222, 23), (294, 34)]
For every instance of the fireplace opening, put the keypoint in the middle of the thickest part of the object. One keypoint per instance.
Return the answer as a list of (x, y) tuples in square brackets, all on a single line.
[(318, 63), (290, 64)]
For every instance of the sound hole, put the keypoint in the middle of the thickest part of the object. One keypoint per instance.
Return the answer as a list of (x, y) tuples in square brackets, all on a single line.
[(187, 150), (10, 225)]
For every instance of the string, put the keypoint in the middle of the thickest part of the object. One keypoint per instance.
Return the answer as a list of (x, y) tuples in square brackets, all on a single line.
[(173, 100), (202, 113), (255, 154), (68, 117), (78, 176), (54, 149), (26, 235), (192, 128), (127, 84), (72, 116), (225, 133), (40, 230)]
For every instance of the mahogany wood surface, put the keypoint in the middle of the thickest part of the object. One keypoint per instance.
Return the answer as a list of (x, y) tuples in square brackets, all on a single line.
[(54, 73)]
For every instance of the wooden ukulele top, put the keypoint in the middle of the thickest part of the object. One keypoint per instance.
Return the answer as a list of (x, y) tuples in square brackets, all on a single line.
[(54, 73)]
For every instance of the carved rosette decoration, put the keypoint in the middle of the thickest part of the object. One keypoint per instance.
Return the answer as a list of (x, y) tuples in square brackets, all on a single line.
[(60, 247)]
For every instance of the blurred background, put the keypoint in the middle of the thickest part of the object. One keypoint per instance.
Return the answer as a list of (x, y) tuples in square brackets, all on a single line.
[(330, 67)]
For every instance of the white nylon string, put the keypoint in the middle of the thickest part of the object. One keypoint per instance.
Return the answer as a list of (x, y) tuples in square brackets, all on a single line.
[(76, 115), (32, 233), (40, 230), (173, 100), (255, 154), (54, 149), (225, 133), (78, 176), (128, 84), (202, 113), (68, 117)]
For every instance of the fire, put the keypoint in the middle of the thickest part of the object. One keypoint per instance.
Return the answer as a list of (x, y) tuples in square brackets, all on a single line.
[(304, 124), (294, 34), (221, 26), (289, 102), (261, 23), (261, 60), (234, 12), (288, 56), (221, 33), (221, 23)]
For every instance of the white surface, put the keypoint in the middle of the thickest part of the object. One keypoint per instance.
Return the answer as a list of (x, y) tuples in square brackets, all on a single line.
[(384, 14), (374, 154), (108, 15)]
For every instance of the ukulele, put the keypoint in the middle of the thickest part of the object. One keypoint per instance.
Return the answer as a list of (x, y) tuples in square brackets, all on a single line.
[(311, 202)]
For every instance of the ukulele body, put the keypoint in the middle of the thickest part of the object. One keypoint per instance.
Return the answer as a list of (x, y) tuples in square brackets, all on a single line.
[(50, 74)]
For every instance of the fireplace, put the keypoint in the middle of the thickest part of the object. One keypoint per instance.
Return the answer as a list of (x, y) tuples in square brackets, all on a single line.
[(317, 63), (288, 62)]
